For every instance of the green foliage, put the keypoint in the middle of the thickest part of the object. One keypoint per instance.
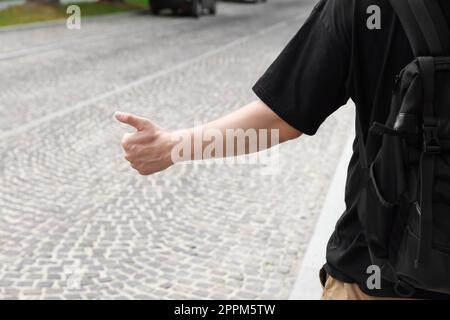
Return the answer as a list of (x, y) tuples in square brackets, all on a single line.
[(142, 3), (36, 13)]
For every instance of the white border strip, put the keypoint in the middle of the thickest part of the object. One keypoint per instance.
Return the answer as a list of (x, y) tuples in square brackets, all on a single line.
[(307, 285)]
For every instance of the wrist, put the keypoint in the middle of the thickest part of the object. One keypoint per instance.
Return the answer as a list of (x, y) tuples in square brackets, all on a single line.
[(180, 146)]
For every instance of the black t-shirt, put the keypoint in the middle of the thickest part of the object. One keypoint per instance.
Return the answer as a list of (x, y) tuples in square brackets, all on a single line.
[(334, 57)]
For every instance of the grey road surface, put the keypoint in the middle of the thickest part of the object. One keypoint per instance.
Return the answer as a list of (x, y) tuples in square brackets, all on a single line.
[(77, 222)]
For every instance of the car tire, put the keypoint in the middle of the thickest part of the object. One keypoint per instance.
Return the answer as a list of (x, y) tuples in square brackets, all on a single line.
[(213, 9), (152, 8), (196, 9), (155, 11)]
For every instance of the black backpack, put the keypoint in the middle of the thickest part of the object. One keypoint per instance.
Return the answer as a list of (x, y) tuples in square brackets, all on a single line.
[(404, 205)]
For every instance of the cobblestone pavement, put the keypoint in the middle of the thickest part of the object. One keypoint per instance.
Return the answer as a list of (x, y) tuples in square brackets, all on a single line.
[(77, 222)]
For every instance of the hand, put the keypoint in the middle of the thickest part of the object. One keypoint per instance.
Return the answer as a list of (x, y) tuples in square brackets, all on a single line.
[(149, 148)]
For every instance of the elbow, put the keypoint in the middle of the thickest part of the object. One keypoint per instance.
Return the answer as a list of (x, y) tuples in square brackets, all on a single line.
[(288, 132)]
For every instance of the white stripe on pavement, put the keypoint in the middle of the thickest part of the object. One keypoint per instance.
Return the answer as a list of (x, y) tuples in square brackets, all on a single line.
[(77, 42), (63, 112), (307, 285)]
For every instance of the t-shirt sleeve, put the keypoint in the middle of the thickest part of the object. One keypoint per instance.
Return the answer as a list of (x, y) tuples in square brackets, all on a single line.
[(307, 82)]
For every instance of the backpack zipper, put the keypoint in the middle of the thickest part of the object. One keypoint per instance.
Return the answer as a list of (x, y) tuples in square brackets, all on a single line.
[(418, 209)]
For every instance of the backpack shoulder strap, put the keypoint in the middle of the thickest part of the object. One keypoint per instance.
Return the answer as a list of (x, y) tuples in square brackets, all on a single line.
[(425, 26)]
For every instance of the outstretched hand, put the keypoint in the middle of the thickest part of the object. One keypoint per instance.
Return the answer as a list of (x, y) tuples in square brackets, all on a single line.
[(148, 149)]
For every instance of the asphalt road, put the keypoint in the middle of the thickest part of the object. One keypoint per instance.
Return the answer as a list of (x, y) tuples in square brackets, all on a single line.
[(77, 222)]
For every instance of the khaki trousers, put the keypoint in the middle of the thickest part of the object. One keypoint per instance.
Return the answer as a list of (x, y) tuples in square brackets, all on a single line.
[(334, 289)]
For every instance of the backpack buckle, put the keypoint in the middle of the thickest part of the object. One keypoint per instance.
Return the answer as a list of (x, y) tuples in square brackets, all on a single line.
[(404, 289), (431, 139)]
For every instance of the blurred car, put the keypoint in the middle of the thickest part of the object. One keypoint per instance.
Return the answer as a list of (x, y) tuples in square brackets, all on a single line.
[(193, 7)]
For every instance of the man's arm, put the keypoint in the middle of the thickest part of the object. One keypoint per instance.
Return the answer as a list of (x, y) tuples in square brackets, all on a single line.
[(149, 149)]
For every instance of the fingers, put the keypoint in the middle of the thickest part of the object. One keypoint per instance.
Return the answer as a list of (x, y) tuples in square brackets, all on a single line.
[(140, 167), (132, 142), (131, 146), (137, 122), (127, 141)]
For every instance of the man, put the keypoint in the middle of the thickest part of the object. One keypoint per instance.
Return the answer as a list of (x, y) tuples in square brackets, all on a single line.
[(346, 49)]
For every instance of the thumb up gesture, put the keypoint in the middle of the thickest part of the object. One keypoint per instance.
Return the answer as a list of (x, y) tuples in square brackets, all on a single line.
[(148, 149)]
